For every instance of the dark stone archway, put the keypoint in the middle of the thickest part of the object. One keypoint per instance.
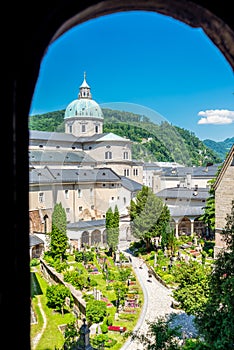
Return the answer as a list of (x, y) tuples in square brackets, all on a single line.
[(95, 237), (85, 238), (184, 226), (27, 29)]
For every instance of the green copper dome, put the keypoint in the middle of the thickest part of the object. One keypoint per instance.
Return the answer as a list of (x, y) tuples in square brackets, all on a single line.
[(84, 106)]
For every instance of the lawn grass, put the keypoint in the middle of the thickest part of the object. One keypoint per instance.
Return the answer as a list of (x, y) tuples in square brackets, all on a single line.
[(52, 336)]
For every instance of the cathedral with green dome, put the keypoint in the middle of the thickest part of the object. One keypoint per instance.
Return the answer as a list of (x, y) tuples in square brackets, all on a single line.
[(83, 116)]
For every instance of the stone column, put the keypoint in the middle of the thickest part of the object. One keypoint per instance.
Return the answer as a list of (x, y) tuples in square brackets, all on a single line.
[(177, 229), (192, 226)]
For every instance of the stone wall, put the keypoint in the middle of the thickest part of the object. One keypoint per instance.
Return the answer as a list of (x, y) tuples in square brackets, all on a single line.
[(53, 277), (223, 197)]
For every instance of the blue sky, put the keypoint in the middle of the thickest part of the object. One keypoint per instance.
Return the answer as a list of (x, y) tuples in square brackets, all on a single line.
[(146, 63)]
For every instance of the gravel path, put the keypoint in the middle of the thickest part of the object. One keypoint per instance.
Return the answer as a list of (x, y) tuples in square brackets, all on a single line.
[(36, 339), (157, 302)]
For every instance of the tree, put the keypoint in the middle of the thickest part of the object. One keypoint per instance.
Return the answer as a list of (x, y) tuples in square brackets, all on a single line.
[(160, 336), (71, 334), (120, 289), (112, 227), (145, 213), (192, 286), (164, 229), (96, 310), (163, 223), (209, 210), (216, 319), (136, 207), (116, 218), (171, 240), (59, 239), (58, 296)]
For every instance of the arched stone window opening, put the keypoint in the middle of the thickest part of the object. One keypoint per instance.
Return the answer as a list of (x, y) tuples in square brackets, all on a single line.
[(31, 41), (85, 238), (199, 227), (46, 219), (185, 227), (104, 237), (95, 237)]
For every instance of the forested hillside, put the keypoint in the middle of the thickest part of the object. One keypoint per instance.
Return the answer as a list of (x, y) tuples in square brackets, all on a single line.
[(151, 142), (220, 147)]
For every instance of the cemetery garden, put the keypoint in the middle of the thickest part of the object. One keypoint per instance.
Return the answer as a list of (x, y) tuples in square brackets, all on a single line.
[(109, 292)]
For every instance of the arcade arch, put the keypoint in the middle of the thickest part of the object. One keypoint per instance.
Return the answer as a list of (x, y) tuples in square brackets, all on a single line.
[(199, 227), (194, 16), (188, 226), (96, 237), (85, 238), (104, 237)]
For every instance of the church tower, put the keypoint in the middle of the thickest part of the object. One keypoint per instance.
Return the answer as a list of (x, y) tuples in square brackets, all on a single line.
[(83, 116)]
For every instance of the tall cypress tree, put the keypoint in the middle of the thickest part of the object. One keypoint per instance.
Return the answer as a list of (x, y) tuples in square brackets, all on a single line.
[(112, 227), (59, 239), (209, 210), (116, 219)]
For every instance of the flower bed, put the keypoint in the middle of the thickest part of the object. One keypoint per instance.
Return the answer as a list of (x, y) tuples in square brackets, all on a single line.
[(130, 310), (108, 303), (117, 329), (105, 299), (194, 252), (132, 304), (132, 295)]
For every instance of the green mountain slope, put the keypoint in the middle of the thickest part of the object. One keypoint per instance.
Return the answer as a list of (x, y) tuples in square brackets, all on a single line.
[(221, 147), (151, 142)]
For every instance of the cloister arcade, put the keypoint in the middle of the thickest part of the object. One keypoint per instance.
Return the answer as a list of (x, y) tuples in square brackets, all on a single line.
[(98, 237), (188, 226)]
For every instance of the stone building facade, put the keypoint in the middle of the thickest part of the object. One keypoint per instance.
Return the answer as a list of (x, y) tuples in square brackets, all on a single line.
[(224, 195)]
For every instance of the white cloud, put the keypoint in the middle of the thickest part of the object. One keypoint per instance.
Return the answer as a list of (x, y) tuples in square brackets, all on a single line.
[(216, 116)]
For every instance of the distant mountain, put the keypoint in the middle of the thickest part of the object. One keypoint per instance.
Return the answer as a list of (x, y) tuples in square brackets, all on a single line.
[(221, 147), (151, 142)]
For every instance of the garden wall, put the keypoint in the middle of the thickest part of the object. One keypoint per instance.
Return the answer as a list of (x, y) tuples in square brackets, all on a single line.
[(53, 277)]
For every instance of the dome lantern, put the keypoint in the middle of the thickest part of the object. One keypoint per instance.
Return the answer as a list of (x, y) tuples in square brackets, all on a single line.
[(84, 90), (83, 116)]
